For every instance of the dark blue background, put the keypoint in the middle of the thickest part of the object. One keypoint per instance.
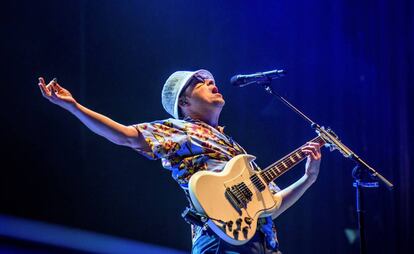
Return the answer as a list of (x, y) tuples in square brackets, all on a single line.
[(350, 67)]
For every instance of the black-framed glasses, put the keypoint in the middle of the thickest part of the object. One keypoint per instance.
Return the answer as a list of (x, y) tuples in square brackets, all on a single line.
[(198, 78), (194, 81)]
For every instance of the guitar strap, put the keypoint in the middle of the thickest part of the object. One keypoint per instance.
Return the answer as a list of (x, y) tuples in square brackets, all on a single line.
[(191, 216)]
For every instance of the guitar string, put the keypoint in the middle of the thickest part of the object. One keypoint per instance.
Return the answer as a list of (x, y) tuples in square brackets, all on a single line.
[(287, 160), (284, 158)]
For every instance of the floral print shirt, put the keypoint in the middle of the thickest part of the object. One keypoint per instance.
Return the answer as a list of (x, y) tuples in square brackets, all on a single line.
[(188, 146)]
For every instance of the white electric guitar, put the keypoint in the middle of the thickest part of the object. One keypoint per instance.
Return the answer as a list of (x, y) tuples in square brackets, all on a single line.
[(234, 199)]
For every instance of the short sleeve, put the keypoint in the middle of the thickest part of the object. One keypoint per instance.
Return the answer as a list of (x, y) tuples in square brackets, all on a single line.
[(163, 138)]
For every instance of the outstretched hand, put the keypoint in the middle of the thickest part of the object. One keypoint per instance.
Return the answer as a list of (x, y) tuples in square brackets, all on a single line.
[(312, 150), (56, 94)]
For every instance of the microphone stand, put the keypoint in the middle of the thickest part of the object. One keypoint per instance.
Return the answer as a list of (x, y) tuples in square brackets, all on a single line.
[(334, 143)]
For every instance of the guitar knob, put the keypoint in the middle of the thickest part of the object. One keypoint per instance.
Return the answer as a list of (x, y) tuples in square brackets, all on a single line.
[(245, 230), (230, 225), (236, 233), (248, 220), (239, 221)]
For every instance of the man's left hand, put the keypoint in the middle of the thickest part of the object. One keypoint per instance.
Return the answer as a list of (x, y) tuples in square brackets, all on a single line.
[(312, 150)]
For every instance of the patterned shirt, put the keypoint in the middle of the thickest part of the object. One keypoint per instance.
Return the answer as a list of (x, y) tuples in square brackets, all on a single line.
[(188, 146)]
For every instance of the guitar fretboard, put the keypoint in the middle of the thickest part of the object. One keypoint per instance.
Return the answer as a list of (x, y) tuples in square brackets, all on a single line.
[(281, 166)]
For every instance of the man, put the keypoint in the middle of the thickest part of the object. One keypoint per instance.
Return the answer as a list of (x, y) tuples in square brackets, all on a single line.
[(189, 142)]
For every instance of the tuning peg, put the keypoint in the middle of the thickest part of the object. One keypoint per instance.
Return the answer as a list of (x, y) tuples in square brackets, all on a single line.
[(332, 132), (331, 147)]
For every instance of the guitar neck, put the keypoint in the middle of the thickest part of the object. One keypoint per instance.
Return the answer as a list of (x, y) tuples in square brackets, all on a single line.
[(278, 168)]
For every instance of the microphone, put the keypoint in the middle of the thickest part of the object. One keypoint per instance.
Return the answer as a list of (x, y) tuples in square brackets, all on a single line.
[(260, 77)]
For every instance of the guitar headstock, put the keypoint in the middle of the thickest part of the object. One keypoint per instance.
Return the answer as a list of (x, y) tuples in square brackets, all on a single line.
[(329, 135)]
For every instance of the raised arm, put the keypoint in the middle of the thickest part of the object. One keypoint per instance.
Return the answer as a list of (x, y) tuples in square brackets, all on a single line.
[(98, 123), (292, 193)]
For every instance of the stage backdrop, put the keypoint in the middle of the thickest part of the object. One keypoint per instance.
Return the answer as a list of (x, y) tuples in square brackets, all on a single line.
[(349, 64)]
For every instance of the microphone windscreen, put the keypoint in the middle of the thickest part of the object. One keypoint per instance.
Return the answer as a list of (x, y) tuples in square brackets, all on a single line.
[(235, 80)]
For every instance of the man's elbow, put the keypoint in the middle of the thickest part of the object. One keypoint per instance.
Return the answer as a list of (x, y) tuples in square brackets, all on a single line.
[(125, 141), (133, 139)]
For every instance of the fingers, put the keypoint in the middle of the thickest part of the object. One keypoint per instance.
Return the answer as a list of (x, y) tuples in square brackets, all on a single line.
[(311, 154), (55, 86), (313, 150), (51, 86), (48, 91), (53, 90), (58, 87), (41, 80), (45, 91)]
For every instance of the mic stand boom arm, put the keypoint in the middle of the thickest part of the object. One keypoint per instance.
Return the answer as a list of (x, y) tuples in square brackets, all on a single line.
[(334, 143), (331, 138)]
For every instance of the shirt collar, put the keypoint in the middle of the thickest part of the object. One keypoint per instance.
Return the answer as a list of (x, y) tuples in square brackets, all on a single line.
[(189, 119)]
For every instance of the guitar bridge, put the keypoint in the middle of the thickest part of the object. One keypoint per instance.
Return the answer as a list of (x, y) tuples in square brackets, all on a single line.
[(234, 201), (239, 195)]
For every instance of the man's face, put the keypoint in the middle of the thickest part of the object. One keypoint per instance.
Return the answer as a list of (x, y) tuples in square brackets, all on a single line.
[(203, 92)]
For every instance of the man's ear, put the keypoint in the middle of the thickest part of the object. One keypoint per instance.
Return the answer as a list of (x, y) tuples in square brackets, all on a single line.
[(182, 104), (182, 101)]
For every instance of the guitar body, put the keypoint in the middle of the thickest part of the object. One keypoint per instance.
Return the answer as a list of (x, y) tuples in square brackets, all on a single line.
[(231, 199)]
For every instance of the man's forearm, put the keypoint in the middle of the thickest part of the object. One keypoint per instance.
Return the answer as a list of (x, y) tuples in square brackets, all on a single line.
[(292, 193), (104, 126)]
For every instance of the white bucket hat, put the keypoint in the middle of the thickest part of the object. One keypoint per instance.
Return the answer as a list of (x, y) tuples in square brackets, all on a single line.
[(173, 87)]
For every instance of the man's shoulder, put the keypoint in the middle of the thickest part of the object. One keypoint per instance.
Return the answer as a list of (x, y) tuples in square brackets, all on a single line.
[(172, 122), (168, 122)]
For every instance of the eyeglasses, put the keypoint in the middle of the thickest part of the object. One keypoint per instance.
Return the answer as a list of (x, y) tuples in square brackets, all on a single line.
[(194, 81), (198, 78)]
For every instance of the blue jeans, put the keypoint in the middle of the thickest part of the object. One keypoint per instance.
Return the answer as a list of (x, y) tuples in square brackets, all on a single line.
[(208, 243)]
